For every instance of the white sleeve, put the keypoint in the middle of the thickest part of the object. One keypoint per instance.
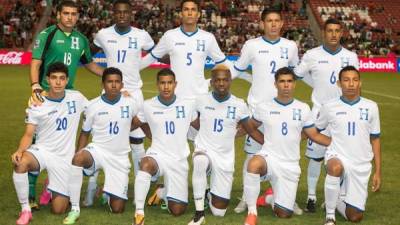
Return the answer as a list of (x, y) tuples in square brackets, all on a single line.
[(245, 58), (294, 59), (356, 62), (32, 115), (308, 120), (141, 116), (258, 113), (322, 118), (244, 112), (302, 69), (374, 124), (215, 52), (146, 61), (97, 40), (161, 48), (87, 120), (148, 42)]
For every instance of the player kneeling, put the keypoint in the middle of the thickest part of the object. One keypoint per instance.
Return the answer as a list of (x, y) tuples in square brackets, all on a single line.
[(284, 119), (108, 118), (55, 122), (219, 115), (355, 130)]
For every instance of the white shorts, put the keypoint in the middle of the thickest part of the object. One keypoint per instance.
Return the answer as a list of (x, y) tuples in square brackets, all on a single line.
[(314, 150), (221, 178), (138, 96), (355, 181), (58, 169), (251, 146), (175, 174), (284, 178), (116, 171)]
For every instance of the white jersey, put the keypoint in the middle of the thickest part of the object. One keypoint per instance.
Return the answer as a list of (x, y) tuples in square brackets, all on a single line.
[(169, 125), (124, 51), (323, 67), (283, 124), (57, 122), (110, 123), (188, 53), (218, 122), (266, 58), (351, 126)]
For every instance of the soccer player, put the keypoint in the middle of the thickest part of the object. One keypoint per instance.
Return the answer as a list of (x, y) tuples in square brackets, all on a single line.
[(55, 122), (284, 119), (108, 118), (219, 115), (355, 129), (321, 65), (123, 45), (169, 117), (58, 43), (266, 54)]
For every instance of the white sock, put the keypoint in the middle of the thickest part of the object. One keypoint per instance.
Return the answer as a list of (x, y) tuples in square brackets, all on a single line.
[(92, 183), (332, 190), (142, 186), (216, 211), (75, 184), (138, 153), (251, 191), (161, 193), (313, 172), (244, 171), (341, 208), (21, 184), (199, 180), (270, 200)]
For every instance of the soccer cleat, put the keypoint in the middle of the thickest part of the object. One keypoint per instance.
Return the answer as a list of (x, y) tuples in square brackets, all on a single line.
[(33, 204), (45, 196), (330, 221), (198, 218), (251, 219), (24, 218), (89, 197), (163, 205), (154, 199), (72, 217), (261, 199), (241, 206), (138, 220), (310, 206), (297, 210), (207, 198)]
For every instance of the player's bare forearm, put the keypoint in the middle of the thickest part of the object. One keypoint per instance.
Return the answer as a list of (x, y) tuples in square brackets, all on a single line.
[(34, 70), (94, 68), (146, 129), (376, 149), (196, 123), (250, 126), (24, 144), (83, 140), (317, 137)]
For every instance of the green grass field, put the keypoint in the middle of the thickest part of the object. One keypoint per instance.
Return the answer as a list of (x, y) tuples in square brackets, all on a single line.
[(382, 207)]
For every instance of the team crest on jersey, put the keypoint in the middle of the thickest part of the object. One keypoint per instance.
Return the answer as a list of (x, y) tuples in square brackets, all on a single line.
[(71, 107), (75, 43), (230, 113), (125, 111), (297, 114), (201, 45), (363, 113), (132, 43), (345, 61), (180, 111), (284, 53), (37, 44)]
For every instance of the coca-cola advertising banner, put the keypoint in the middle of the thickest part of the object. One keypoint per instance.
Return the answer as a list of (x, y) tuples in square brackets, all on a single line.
[(15, 58)]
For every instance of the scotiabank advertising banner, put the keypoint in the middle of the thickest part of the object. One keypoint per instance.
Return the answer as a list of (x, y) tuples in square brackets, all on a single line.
[(15, 57), (378, 64)]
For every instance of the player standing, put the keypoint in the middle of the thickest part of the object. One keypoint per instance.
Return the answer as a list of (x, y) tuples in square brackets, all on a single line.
[(108, 118), (284, 119), (322, 65), (355, 128), (169, 118), (219, 115), (266, 54), (123, 45), (55, 122)]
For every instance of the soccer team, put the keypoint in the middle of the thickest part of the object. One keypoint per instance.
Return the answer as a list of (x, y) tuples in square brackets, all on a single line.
[(342, 127)]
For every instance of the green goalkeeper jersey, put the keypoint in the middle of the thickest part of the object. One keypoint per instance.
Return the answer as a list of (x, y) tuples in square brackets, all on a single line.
[(54, 45)]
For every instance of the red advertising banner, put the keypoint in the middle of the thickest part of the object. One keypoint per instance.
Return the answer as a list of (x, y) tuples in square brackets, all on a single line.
[(381, 64), (15, 58)]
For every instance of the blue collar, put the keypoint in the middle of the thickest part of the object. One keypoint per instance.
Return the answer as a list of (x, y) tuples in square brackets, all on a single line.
[(271, 42), (350, 102), (283, 104), (330, 52), (220, 100), (189, 34), (56, 99), (165, 102), (122, 33), (111, 102)]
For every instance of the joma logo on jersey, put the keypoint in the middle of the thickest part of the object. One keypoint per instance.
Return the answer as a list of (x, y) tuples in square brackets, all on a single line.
[(125, 111), (274, 113), (230, 113), (180, 111), (180, 43), (263, 51), (75, 43), (158, 113), (284, 53), (132, 43), (340, 113), (323, 62), (112, 41), (345, 61), (52, 112), (60, 41), (102, 113), (209, 108), (201, 45), (363, 114), (297, 114)]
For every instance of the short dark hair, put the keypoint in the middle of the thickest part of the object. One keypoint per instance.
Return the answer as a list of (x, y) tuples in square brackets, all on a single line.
[(194, 1), (109, 71), (285, 71), (57, 67), (348, 68), (67, 3), (127, 2), (332, 21), (268, 11), (165, 72)]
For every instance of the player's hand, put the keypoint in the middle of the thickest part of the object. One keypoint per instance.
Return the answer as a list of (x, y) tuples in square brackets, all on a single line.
[(37, 95), (16, 157), (376, 182), (125, 93)]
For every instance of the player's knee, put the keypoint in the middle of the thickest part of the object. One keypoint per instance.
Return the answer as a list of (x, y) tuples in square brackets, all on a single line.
[(79, 159), (117, 208), (177, 210), (218, 205), (147, 165), (355, 217), (117, 205), (21, 167), (256, 165), (334, 168), (59, 209)]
